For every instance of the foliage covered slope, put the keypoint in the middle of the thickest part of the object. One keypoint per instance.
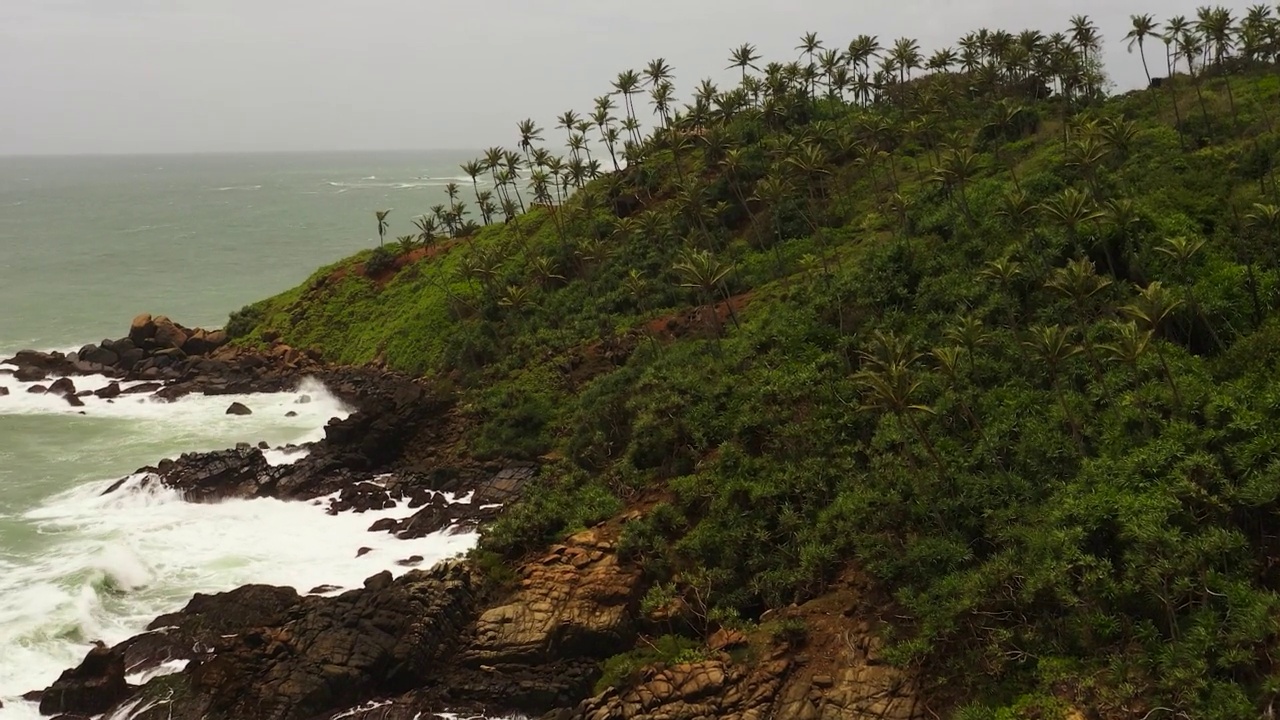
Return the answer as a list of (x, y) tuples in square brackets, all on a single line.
[(1007, 345)]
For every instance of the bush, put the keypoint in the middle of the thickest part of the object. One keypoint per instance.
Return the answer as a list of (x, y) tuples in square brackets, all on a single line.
[(380, 260), (621, 671), (243, 321)]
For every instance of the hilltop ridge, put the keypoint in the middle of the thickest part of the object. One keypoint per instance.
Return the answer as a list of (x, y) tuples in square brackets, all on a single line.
[(981, 358)]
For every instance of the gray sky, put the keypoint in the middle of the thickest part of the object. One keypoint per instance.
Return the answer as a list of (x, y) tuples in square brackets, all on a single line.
[(132, 76)]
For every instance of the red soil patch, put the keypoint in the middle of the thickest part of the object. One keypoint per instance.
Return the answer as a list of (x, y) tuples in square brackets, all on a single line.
[(401, 262), (698, 322)]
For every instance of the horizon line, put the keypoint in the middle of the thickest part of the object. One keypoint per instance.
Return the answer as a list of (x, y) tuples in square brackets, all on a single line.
[(191, 153)]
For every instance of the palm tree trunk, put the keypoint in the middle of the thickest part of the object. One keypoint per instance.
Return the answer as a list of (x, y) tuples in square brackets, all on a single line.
[(928, 446), (1177, 396), (1066, 412)]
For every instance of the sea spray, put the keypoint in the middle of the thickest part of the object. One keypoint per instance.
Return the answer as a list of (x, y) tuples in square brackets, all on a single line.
[(79, 565)]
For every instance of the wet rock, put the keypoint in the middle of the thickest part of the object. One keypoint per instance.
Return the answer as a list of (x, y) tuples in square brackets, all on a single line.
[(30, 373), (432, 518), (141, 330), (37, 390), (410, 561), (291, 414), (263, 445), (384, 525), (217, 476), (63, 386), (3, 391), (96, 355), (363, 551), (361, 497), (73, 400), (110, 391), (143, 388), (302, 400), (322, 589), (91, 688), (238, 409)]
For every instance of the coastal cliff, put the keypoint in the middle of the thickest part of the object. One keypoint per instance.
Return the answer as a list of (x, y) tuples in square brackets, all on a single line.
[(952, 397)]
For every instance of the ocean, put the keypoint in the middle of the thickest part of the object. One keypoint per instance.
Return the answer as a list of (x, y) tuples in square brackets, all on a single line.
[(86, 243)]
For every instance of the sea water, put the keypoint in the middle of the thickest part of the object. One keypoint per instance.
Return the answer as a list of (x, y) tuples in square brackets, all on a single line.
[(85, 244)]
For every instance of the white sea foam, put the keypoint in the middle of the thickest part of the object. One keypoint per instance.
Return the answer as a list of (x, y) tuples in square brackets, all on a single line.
[(109, 564)]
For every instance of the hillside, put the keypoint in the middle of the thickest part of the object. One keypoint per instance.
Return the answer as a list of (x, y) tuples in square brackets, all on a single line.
[(1001, 344)]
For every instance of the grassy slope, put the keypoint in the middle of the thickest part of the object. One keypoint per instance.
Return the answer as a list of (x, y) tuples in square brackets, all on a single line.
[(1107, 535)]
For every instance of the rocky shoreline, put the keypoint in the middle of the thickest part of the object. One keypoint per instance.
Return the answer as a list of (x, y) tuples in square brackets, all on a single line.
[(433, 640)]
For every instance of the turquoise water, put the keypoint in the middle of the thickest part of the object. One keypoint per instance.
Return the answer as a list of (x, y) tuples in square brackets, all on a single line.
[(86, 244)]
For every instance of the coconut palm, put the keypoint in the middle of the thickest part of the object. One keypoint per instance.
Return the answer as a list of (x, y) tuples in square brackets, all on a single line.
[(744, 56), (1071, 209), (381, 216), (426, 230), (1079, 283), (1144, 26), (627, 84), (473, 169)]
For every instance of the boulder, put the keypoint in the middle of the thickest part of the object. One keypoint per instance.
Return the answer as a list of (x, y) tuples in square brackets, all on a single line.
[(109, 392), (97, 355), (169, 334), (143, 388), (91, 688), (63, 386), (130, 358), (30, 373), (203, 342), (141, 330), (73, 400), (238, 409), (3, 391), (291, 414), (37, 389)]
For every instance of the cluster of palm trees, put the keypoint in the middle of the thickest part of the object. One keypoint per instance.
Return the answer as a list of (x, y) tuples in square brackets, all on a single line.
[(864, 106)]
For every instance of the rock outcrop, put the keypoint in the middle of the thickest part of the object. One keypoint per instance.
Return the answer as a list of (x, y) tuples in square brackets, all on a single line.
[(93, 687)]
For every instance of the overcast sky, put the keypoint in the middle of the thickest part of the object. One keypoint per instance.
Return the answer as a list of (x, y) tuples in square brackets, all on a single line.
[(134, 76)]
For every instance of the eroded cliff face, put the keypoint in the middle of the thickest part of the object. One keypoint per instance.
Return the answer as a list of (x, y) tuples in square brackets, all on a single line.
[(429, 642)]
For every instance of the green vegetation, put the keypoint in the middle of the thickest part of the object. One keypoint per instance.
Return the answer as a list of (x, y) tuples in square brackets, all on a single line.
[(667, 649), (1002, 342)]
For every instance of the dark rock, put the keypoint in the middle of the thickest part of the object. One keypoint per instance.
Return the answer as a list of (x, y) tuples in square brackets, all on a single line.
[(3, 391), (32, 696), (143, 388), (84, 394), (130, 358), (63, 386), (37, 389), (434, 517), (361, 497), (92, 688), (238, 409), (84, 367), (384, 525), (410, 561), (381, 581), (217, 476), (109, 392), (30, 373), (363, 551), (98, 355), (321, 589), (262, 445), (291, 414), (302, 400), (73, 400)]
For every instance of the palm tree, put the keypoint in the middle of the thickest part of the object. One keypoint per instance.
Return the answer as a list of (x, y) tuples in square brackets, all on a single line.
[(626, 85), (658, 72), (1144, 26), (473, 169), (1192, 47), (948, 359), (1129, 346), (426, 230), (699, 270), (906, 57), (1053, 347), (1182, 251), (529, 134), (1071, 209), (1266, 219), (744, 57), (1080, 283), (381, 216), (891, 387), (1152, 307), (1174, 29)]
